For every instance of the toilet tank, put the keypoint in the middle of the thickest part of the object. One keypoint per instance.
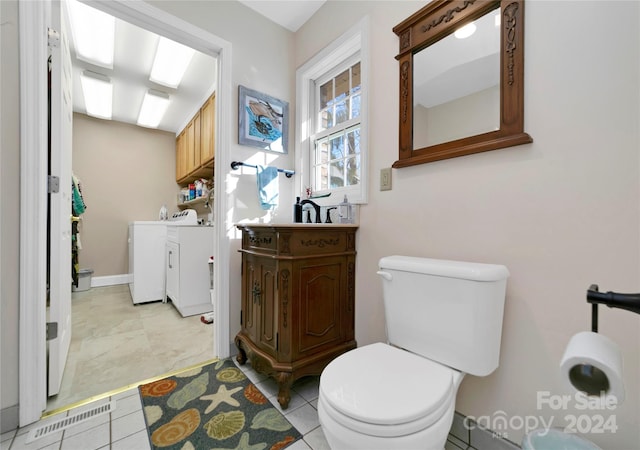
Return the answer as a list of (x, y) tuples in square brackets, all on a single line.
[(447, 311)]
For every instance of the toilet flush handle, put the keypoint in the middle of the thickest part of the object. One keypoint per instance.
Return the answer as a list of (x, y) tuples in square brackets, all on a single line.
[(386, 275)]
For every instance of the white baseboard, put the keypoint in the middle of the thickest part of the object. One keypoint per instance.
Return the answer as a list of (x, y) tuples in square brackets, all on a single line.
[(110, 280)]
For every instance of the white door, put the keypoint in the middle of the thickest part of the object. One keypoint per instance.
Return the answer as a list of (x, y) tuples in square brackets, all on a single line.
[(60, 277)]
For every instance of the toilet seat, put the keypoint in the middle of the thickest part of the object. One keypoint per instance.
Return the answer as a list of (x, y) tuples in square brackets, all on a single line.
[(418, 391)]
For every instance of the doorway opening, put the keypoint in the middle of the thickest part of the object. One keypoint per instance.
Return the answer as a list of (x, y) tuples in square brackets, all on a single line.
[(32, 365)]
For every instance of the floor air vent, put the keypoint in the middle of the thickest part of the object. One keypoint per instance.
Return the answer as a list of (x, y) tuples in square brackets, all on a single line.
[(68, 422)]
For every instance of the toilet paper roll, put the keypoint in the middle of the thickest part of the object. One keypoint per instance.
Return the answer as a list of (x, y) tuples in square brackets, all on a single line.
[(592, 363)]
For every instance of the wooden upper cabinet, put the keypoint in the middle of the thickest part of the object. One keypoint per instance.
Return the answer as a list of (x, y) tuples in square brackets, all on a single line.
[(193, 144), (207, 127), (181, 155), (196, 142)]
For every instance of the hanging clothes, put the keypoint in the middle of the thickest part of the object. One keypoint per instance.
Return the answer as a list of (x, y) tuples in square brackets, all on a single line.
[(78, 207)]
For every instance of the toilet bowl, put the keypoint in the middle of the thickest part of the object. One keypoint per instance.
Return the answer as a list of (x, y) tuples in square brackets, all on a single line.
[(443, 320), (381, 397)]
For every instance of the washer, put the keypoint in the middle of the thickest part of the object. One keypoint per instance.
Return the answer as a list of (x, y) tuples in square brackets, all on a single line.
[(147, 242)]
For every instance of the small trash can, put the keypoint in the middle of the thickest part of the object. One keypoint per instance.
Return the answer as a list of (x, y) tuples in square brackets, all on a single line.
[(555, 439), (84, 280)]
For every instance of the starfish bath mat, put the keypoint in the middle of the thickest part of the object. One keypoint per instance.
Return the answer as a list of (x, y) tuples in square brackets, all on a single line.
[(213, 407)]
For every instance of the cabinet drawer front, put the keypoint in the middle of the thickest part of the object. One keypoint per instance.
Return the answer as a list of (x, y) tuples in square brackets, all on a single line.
[(311, 242), (261, 240)]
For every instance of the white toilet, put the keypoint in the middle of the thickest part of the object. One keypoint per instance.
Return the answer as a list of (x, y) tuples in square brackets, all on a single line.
[(444, 319)]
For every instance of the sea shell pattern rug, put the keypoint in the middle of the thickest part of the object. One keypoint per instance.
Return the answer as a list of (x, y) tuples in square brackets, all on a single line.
[(213, 407)]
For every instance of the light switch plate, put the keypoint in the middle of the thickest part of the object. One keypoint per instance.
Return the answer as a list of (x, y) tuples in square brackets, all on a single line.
[(385, 179)]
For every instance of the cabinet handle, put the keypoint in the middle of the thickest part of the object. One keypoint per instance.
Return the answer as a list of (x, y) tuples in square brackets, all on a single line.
[(170, 266), (256, 292)]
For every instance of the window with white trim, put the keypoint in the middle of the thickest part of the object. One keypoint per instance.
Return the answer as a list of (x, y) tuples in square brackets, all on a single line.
[(332, 125), (336, 143)]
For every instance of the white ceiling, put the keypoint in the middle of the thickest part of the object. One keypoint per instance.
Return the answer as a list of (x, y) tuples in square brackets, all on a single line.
[(134, 52), (287, 13)]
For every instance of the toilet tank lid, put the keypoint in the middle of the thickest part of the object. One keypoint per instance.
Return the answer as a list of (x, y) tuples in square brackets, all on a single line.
[(445, 268)]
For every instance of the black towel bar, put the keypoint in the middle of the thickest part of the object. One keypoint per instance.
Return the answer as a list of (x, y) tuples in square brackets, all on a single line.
[(236, 164)]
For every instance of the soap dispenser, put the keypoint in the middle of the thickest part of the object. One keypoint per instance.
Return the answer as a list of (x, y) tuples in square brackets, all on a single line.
[(345, 211), (297, 211)]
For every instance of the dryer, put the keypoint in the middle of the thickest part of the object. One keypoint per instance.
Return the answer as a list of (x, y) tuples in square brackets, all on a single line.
[(147, 242)]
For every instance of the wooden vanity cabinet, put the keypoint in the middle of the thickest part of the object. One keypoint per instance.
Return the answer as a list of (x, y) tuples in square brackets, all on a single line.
[(297, 305)]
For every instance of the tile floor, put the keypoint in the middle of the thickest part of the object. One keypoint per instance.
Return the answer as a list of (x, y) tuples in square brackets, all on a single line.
[(124, 428), (115, 344)]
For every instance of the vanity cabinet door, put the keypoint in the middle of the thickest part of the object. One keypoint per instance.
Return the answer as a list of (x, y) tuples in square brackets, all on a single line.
[(259, 303), (321, 286)]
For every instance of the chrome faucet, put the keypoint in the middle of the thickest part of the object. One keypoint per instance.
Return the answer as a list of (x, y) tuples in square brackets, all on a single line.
[(315, 206)]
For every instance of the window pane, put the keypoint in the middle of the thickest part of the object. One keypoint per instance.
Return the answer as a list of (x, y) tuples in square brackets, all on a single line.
[(337, 147), (355, 106), (353, 170), (355, 78), (321, 178), (322, 152), (353, 142), (342, 111), (342, 85), (326, 119), (337, 174), (326, 94)]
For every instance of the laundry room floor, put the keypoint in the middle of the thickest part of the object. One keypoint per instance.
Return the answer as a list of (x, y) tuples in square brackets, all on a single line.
[(115, 344)]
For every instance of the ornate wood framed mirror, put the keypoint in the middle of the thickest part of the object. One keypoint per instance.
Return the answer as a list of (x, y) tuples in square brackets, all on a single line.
[(461, 96)]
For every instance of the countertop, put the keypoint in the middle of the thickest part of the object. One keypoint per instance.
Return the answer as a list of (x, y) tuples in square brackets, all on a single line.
[(296, 225)]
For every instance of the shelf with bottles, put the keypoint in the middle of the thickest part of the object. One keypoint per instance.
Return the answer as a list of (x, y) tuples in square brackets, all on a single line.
[(194, 202)]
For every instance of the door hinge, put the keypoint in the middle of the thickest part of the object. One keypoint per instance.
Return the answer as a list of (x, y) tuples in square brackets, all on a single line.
[(52, 330), (53, 184), (277, 341), (53, 38)]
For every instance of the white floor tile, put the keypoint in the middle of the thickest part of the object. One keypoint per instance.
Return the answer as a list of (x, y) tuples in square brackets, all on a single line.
[(125, 394), (138, 441), (87, 440), (7, 436), (300, 444), (127, 406), (125, 426), (307, 387), (88, 425), (304, 418), (316, 440)]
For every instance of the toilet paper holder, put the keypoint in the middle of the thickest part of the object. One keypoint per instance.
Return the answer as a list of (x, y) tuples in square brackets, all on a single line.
[(629, 302)]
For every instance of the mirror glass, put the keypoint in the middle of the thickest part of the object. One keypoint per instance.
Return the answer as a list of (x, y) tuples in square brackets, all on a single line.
[(448, 103)]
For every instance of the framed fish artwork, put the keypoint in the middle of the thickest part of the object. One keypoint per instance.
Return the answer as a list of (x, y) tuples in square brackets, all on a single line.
[(263, 121)]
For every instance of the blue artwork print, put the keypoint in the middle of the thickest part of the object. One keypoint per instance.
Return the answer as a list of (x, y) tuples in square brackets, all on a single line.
[(263, 121), (264, 126)]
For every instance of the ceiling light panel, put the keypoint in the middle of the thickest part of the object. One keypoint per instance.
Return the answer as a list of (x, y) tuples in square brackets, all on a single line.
[(93, 34), (98, 94), (170, 63), (154, 105)]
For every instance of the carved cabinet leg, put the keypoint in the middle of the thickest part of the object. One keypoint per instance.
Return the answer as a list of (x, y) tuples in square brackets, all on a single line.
[(241, 357), (284, 393)]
